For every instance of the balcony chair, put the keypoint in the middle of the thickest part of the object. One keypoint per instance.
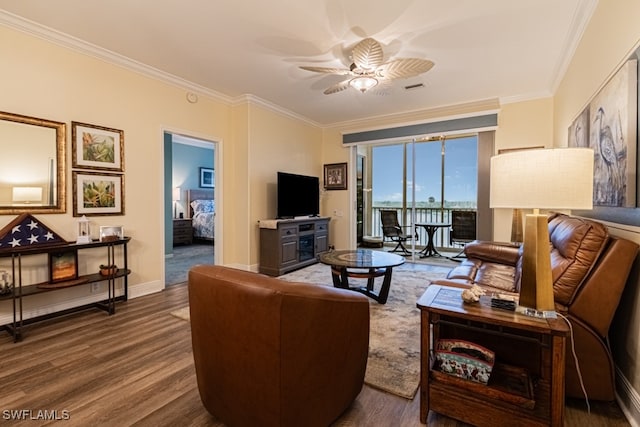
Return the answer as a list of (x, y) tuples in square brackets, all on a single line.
[(463, 230), (392, 230), (273, 353)]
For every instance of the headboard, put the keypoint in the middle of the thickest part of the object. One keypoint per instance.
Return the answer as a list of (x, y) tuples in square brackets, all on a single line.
[(197, 194)]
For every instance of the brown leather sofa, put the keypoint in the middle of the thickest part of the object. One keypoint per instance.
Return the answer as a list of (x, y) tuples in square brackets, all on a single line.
[(590, 270), (274, 353)]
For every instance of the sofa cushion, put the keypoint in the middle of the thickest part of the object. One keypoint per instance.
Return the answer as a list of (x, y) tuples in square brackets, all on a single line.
[(576, 243), (492, 276)]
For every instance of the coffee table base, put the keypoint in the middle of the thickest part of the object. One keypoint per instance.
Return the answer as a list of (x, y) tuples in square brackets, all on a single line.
[(341, 280)]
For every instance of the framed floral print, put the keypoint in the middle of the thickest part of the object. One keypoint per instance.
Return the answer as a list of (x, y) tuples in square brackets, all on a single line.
[(97, 147), (97, 194)]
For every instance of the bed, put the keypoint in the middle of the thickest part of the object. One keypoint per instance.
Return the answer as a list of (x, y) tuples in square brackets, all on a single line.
[(201, 210)]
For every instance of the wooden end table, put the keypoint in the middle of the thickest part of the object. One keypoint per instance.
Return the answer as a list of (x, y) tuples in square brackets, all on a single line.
[(526, 386)]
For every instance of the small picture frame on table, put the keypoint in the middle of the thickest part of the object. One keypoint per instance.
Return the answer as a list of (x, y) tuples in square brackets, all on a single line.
[(110, 232), (63, 266)]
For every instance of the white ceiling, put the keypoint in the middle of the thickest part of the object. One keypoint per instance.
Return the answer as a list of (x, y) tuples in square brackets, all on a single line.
[(511, 50)]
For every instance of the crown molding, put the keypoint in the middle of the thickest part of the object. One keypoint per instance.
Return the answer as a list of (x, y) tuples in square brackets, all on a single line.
[(65, 40), (581, 19), (255, 100)]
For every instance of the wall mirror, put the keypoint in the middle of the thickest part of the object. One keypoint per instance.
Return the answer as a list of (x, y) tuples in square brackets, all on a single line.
[(32, 178)]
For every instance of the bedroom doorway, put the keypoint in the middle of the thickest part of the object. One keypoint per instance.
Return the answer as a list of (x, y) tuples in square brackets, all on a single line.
[(190, 225)]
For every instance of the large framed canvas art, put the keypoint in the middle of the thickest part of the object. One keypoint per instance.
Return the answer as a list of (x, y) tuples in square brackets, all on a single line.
[(613, 116)]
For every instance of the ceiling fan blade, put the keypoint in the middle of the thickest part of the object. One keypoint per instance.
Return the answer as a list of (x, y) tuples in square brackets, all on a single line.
[(328, 70), (367, 54), (339, 87), (404, 68)]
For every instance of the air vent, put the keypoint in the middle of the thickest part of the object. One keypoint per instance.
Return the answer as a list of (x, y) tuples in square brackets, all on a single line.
[(415, 86)]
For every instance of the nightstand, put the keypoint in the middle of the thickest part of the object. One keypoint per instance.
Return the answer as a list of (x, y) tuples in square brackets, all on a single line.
[(182, 231)]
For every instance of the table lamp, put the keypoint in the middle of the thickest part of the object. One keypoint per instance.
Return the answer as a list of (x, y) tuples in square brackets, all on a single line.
[(27, 195), (560, 178), (176, 199)]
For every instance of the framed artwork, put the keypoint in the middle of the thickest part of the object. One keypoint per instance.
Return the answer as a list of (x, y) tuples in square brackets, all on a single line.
[(206, 178), (97, 147), (613, 117), (97, 194), (335, 176), (608, 125), (63, 266), (110, 232), (579, 130), (510, 150)]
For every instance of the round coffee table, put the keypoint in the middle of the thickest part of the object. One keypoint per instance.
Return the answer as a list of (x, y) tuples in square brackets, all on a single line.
[(362, 264)]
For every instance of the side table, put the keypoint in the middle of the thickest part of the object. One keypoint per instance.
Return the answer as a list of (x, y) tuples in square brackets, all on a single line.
[(526, 386), (182, 231)]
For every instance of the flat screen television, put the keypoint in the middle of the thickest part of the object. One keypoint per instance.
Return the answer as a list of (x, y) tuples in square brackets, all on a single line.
[(298, 195)]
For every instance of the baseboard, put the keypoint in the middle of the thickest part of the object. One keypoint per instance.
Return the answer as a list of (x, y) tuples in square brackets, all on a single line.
[(142, 289), (79, 301), (244, 267), (628, 399)]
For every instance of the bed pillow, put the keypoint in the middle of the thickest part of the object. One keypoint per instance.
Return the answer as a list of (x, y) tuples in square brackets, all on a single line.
[(203, 206)]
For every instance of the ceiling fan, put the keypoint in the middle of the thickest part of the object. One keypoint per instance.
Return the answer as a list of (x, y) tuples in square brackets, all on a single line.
[(368, 70)]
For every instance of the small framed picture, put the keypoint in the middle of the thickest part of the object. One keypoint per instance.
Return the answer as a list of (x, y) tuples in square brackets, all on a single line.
[(206, 178), (110, 232), (97, 147), (335, 176), (63, 266), (98, 194)]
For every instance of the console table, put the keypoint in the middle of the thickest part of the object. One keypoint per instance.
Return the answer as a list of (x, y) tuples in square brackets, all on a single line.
[(289, 244), (20, 291), (526, 387)]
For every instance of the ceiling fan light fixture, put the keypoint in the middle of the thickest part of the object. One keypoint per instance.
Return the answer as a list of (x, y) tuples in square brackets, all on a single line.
[(363, 83)]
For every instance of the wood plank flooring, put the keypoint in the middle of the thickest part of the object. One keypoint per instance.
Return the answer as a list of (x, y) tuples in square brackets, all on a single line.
[(136, 368)]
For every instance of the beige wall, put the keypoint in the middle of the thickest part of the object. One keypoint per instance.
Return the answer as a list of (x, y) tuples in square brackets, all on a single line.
[(521, 125), (612, 35), (44, 80), (277, 142)]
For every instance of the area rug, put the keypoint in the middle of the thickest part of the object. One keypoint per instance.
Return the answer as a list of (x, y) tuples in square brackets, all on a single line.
[(394, 338)]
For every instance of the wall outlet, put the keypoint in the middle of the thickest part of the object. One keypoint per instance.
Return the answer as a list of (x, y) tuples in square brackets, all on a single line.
[(95, 287)]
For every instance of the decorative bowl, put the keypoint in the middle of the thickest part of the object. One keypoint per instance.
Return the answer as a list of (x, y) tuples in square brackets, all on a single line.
[(108, 271), (464, 359)]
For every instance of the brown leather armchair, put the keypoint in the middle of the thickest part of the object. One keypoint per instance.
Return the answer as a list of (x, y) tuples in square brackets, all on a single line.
[(274, 353), (590, 269)]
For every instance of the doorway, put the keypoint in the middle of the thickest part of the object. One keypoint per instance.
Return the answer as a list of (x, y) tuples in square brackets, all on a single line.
[(190, 231)]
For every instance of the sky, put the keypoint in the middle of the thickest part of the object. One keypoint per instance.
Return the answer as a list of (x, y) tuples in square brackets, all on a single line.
[(460, 171)]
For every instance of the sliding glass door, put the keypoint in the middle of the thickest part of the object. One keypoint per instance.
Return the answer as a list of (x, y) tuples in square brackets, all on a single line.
[(423, 180)]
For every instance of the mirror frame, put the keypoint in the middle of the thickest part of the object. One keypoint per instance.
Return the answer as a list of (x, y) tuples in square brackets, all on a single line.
[(61, 164)]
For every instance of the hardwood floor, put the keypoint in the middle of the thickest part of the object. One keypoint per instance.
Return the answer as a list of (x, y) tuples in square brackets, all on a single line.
[(136, 368)]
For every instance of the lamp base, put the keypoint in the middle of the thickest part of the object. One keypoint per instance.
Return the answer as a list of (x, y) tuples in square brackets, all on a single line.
[(532, 312)]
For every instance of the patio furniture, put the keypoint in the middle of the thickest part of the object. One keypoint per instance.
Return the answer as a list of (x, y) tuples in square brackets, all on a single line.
[(392, 230)]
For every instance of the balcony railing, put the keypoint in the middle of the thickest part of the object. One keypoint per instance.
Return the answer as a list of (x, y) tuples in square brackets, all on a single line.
[(440, 238)]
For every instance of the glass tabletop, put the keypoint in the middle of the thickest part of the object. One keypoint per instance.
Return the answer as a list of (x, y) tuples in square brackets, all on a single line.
[(361, 258)]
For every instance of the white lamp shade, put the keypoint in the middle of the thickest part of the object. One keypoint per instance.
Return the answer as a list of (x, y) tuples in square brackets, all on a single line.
[(557, 178), (27, 194), (176, 194)]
